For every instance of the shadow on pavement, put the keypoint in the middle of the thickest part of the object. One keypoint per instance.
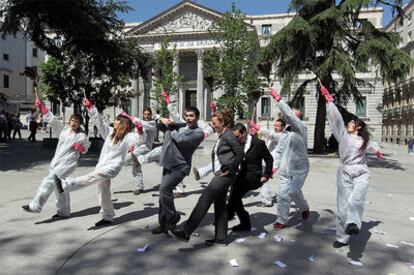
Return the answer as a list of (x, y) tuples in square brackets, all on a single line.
[(386, 163)]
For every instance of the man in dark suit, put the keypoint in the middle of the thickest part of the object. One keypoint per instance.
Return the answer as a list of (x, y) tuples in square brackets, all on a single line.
[(177, 151), (251, 175)]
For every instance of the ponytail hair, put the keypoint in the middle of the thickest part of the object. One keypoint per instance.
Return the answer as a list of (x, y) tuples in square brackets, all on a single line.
[(363, 133)]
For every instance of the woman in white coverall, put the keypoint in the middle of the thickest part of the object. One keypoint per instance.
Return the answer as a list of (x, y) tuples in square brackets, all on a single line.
[(292, 164), (149, 130), (352, 176), (72, 143), (117, 142)]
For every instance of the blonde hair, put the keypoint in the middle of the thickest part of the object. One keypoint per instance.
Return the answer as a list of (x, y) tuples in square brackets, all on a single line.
[(225, 116)]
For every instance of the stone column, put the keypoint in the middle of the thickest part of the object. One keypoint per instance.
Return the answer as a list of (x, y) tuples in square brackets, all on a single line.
[(179, 96), (200, 85), (135, 100)]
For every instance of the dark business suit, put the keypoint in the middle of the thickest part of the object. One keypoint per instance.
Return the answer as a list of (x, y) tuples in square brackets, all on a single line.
[(230, 154), (249, 178), (176, 155)]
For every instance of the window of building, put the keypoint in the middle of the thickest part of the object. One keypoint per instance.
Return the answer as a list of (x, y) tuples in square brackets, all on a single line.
[(265, 107), (34, 52), (6, 83), (361, 108), (6, 57), (266, 29)]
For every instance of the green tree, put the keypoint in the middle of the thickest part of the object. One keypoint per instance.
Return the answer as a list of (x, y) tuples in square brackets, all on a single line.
[(166, 78), (86, 37), (235, 71), (327, 37)]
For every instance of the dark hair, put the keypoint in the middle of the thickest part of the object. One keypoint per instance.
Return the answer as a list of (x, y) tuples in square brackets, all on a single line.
[(194, 110), (239, 127), (282, 121), (363, 133), (148, 109), (79, 118)]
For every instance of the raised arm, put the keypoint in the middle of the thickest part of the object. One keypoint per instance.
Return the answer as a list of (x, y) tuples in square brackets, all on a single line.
[(103, 128), (335, 120), (55, 124)]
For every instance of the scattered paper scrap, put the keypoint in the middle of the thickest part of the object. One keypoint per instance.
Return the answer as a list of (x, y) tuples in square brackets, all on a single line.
[(143, 249), (253, 229), (195, 234), (355, 263), (262, 235), (278, 238), (410, 244), (368, 202), (280, 264), (145, 228), (411, 218), (311, 258), (392, 245), (234, 263), (410, 265), (240, 240), (332, 228), (389, 195), (292, 241)]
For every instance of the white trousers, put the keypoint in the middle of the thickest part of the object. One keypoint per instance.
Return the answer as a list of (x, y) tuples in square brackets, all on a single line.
[(290, 189), (43, 192), (352, 187), (104, 191)]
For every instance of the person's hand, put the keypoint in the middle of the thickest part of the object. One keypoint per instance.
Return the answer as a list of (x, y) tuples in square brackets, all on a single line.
[(165, 121), (213, 107), (131, 149), (274, 170), (87, 103), (379, 155), (225, 173), (38, 103), (44, 110), (275, 94), (326, 94), (263, 179), (253, 127), (139, 127), (79, 148), (166, 97)]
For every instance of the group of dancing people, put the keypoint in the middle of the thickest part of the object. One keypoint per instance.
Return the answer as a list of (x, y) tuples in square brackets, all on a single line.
[(240, 162)]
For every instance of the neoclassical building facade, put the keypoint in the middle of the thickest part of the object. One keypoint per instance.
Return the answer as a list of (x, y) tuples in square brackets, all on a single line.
[(398, 113), (187, 27)]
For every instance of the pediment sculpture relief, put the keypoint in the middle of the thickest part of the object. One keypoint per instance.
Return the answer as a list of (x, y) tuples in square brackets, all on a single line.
[(186, 22)]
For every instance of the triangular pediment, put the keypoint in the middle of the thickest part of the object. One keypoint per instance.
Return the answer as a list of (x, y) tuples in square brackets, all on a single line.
[(186, 17)]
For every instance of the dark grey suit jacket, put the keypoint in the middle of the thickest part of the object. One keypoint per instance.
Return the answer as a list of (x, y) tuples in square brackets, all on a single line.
[(178, 148), (230, 153)]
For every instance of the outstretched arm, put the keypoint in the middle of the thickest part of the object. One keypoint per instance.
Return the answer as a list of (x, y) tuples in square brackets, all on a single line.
[(103, 128)]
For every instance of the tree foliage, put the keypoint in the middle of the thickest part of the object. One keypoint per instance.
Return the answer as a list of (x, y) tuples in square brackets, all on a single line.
[(166, 78), (85, 39), (233, 66), (328, 37)]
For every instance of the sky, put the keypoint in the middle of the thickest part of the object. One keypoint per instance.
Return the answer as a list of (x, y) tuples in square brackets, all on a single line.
[(145, 9)]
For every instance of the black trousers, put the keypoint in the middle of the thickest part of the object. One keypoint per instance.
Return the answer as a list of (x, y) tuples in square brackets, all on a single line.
[(235, 206), (215, 192), (167, 213)]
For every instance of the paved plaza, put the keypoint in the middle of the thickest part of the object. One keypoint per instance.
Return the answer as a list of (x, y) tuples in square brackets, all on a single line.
[(37, 244)]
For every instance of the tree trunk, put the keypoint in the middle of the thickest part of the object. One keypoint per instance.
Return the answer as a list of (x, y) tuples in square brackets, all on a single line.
[(319, 136)]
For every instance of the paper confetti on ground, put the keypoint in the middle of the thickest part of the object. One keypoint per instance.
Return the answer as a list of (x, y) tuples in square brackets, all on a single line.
[(280, 264), (143, 249), (234, 263)]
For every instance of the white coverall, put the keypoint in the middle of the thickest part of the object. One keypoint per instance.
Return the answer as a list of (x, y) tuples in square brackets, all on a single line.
[(109, 165), (292, 164), (272, 141), (352, 175), (145, 148), (63, 164)]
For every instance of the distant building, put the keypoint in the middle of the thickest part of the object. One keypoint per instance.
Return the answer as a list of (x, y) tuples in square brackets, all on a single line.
[(187, 27), (16, 52), (398, 108)]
